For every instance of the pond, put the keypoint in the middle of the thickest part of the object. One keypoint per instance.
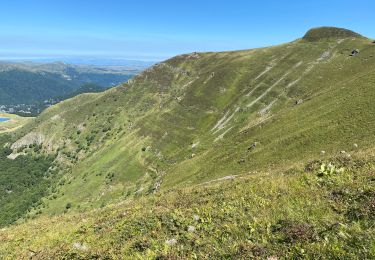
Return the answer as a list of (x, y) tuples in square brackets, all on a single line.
[(4, 119)]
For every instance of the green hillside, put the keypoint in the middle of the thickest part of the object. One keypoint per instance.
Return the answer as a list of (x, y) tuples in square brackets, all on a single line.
[(227, 136), (307, 213)]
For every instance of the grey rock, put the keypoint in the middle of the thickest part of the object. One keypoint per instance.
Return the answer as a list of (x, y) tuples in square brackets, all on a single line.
[(191, 229), (171, 242), (253, 146), (354, 52), (80, 246)]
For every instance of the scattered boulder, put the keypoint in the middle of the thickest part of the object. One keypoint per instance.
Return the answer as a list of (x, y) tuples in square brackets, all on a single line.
[(323, 152), (191, 229), (171, 242), (32, 253), (194, 145), (253, 146), (355, 145), (354, 52), (298, 102), (80, 246), (222, 90), (157, 186), (242, 160), (209, 77), (13, 156), (345, 154)]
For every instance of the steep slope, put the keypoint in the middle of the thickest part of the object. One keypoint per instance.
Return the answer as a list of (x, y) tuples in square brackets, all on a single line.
[(159, 149), (311, 213), (202, 116)]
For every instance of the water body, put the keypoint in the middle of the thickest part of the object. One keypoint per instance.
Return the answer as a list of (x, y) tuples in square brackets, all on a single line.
[(4, 119)]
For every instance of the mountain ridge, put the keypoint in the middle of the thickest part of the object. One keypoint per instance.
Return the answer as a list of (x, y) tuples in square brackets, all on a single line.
[(285, 112)]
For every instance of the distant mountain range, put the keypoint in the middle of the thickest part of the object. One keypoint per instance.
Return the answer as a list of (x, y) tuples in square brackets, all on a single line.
[(30, 82)]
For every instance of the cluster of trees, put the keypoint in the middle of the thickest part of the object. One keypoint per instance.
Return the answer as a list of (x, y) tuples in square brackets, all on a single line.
[(25, 87), (19, 86), (23, 182)]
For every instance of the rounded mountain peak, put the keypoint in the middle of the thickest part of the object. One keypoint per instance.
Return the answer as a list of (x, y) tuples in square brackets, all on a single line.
[(324, 33)]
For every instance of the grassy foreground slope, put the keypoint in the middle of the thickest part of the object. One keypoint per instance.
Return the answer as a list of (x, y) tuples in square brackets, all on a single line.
[(325, 210)]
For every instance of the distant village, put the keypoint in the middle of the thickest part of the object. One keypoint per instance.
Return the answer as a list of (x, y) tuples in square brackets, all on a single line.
[(28, 109)]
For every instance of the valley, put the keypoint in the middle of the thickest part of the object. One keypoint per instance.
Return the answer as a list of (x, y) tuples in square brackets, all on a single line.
[(27, 88), (260, 153)]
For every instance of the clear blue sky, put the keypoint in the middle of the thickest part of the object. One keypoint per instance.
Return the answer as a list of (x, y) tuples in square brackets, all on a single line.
[(141, 29)]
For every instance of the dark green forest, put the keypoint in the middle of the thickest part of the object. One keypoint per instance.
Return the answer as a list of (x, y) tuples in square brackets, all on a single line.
[(26, 87), (23, 182)]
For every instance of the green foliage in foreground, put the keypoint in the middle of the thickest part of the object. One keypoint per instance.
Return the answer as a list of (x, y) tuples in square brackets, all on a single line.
[(23, 182), (312, 213)]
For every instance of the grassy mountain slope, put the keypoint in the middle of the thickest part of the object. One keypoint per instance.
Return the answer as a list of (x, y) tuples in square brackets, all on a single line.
[(206, 116), (306, 213)]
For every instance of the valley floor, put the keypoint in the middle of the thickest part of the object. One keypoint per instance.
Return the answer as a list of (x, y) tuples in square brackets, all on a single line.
[(325, 210)]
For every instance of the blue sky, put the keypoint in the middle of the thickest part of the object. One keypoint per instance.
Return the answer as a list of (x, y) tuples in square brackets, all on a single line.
[(153, 30)]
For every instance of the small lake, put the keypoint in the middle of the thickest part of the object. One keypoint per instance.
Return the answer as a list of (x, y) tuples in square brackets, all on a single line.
[(4, 119)]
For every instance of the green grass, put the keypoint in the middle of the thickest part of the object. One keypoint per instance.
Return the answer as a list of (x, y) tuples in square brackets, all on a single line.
[(13, 124), (177, 103), (324, 33), (147, 148), (300, 213)]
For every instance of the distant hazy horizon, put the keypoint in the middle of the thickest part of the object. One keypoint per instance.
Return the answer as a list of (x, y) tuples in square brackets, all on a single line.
[(82, 60), (156, 30)]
